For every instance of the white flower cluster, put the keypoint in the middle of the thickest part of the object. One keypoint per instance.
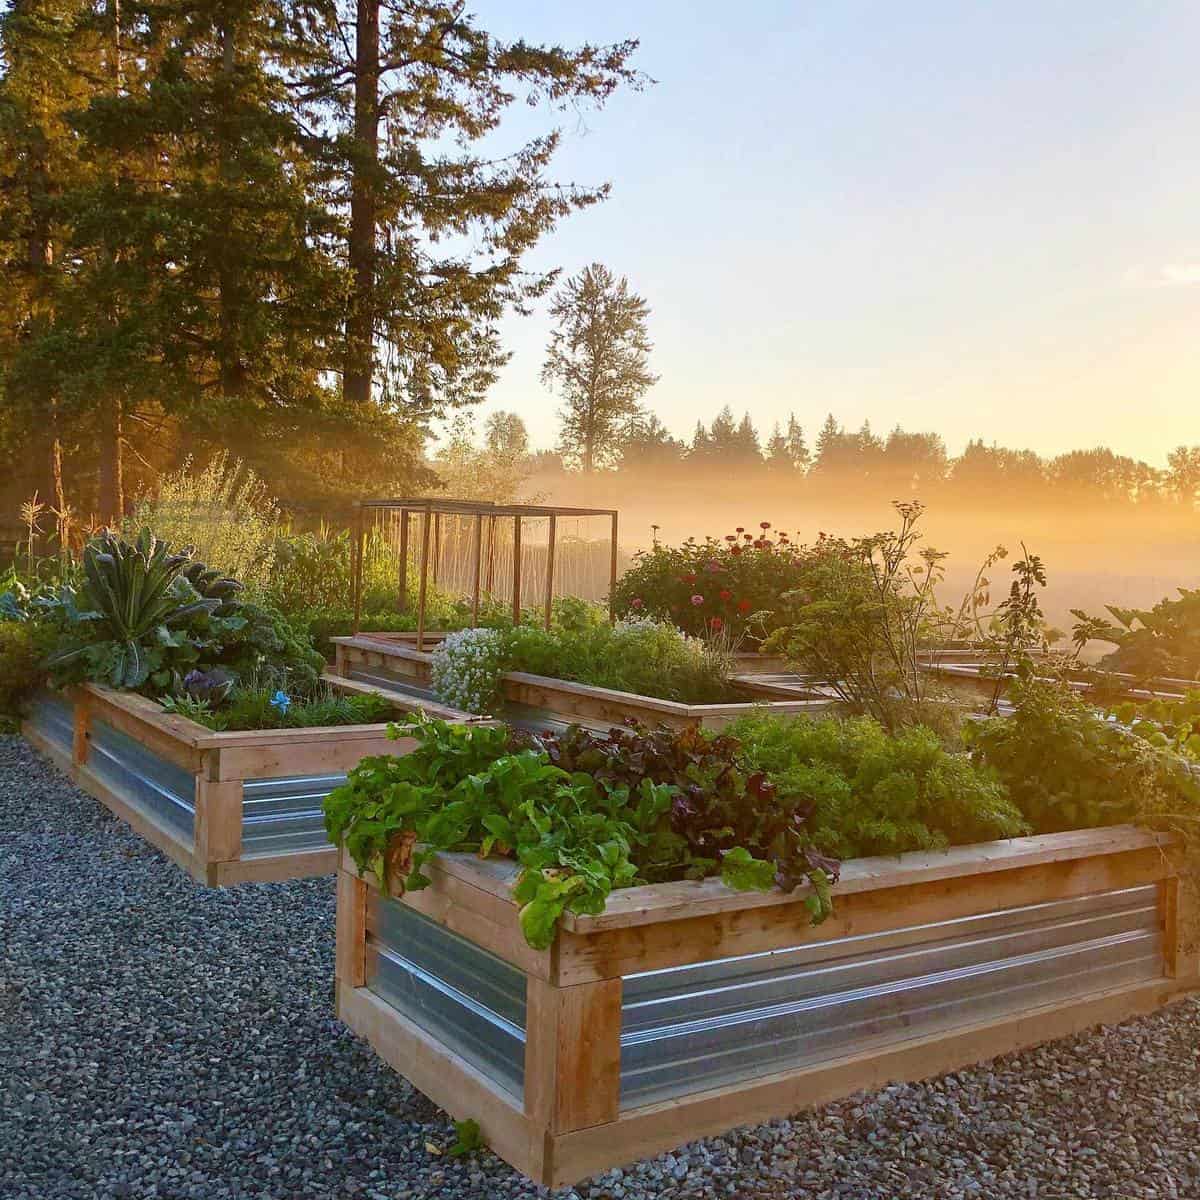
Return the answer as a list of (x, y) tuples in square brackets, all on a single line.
[(466, 670)]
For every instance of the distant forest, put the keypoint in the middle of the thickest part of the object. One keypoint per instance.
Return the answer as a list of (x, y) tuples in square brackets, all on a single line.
[(898, 464)]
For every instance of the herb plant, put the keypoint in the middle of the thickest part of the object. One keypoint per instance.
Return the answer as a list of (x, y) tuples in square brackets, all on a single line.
[(869, 792)]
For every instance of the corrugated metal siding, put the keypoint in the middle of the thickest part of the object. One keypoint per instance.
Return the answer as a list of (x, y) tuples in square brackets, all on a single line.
[(54, 717), (165, 790), (382, 677), (691, 1028), (453, 989), (285, 814)]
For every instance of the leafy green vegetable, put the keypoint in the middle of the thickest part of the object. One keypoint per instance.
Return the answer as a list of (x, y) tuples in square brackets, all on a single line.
[(582, 814), (743, 872), (868, 792)]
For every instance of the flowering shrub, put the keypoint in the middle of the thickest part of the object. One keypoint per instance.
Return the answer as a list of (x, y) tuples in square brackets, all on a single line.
[(729, 585), (467, 667)]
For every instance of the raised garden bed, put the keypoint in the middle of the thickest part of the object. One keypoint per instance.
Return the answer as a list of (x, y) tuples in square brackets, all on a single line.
[(382, 660), (686, 1009), (228, 807)]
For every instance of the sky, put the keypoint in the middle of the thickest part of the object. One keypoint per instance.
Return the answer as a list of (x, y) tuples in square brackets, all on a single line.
[(970, 217)]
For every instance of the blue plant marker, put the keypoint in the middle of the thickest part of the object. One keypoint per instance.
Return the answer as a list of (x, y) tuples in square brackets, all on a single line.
[(282, 701)]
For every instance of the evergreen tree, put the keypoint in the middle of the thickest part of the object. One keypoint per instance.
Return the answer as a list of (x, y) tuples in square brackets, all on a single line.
[(797, 447), (437, 227), (598, 358), (648, 445)]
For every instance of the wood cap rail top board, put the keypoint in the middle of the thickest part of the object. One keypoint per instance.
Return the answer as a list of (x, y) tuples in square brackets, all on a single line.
[(660, 902)]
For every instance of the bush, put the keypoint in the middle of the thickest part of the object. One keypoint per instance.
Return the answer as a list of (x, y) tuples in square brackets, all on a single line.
[(1068, 767), (22, 647), (730, 585), (869, 792), (1163, 640), (222, 511), (859, 620), (642, 656)]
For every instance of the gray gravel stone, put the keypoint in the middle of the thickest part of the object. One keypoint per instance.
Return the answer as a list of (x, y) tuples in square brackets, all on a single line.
[(162, 1041)]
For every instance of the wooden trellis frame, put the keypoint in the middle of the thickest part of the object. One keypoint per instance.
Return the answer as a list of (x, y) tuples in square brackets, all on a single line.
[(431, 511)]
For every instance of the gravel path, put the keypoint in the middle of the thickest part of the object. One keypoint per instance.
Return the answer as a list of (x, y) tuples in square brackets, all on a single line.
[(158, 1039)]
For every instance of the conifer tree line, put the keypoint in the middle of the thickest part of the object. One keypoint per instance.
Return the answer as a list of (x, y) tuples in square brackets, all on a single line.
[(287, 228), (598, 360), (900, 464)]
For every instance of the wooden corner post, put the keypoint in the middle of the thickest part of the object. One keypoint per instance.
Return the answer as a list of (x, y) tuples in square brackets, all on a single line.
[(81, 732), (572, 1062)]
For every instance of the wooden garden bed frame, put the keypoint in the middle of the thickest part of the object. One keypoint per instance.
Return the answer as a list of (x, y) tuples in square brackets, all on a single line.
[(578, 701), (569, 1125), (221, 764)]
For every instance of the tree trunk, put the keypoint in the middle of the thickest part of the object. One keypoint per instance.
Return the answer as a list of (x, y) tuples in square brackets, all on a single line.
[(229, 302), (360, 319), (112, 474)]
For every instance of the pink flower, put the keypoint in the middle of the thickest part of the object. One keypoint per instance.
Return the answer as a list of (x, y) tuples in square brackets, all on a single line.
[(740, 529), (735, 549), (697, 600), (748, 536), (636, 602), (729, 537), (764, 524)]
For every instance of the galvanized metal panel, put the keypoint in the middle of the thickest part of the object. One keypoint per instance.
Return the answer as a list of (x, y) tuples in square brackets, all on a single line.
[(165, 790), (392, 681), (285, 814), (54, 718), (690, 1028), (455, 990)]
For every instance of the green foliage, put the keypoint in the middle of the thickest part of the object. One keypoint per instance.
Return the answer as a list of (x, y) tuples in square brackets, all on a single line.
[(152, 616), (739, 579), (139, 605), (642, 656), (1161, 641), (22, 648), (868, 792), (223, 511), (468, 1139), (860, 619), (582, 815), (257, 707), (1067, 767), (1166, 723)]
